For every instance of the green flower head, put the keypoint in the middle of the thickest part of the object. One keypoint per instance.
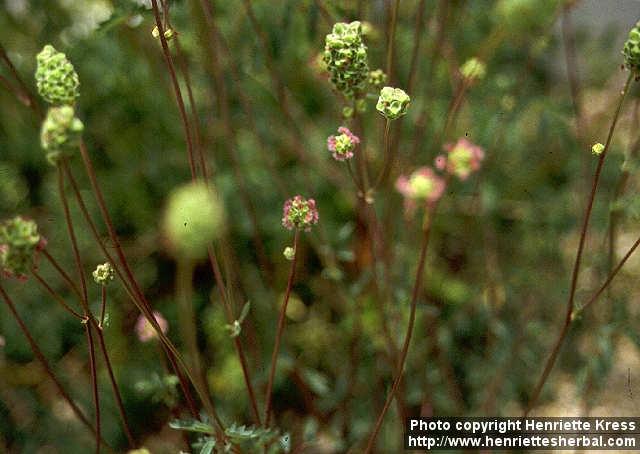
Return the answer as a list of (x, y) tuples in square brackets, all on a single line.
[(103, 274), (194, 217), (631, 49), (56, 78), (60, 133), (345, 56), (19, 244), (473, 69), (377, 78), (393, 102)]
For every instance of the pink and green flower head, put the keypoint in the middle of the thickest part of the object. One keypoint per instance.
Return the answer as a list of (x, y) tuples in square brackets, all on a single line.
[(423, 186), (463, 158), (299, 213), (145, 331), (342, 145)]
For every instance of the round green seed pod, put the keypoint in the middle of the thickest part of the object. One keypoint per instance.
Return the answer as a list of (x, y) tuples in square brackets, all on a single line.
[(194, 217), (631, 49), (60, 133), (56, 78)]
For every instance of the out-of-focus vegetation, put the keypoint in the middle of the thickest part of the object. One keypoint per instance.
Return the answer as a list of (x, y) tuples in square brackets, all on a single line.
[(542, 91)]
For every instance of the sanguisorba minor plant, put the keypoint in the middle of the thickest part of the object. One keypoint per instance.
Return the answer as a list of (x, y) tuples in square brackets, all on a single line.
[(365, 138)]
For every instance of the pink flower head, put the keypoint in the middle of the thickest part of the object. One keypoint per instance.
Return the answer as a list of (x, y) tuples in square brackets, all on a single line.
[(145, 331), (342, 145), (464, 157), (422, 186), (300, 213)]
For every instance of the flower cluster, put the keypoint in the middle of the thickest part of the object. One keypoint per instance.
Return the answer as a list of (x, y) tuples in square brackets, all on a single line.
[(56, 78), (345, 55), (422, 186), (103, 274), (60, 133), (20, 243), (342, 145), (299, 213), (377, 78), (631, 49), (473, 69), (145, 330), (597, 149), (193, 219), (393, 103), (463, 158)]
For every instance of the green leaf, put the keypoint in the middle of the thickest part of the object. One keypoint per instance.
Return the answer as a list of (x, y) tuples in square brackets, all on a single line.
[(208, 446), (191, 425), (244, 312)]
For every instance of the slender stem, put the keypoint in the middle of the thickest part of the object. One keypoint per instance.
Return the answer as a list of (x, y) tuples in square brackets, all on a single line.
[(417, 38), (114, 384), (74, 242), (94, 378), (388, 159), (45, 364), (62, 273), (280, 330), (24, 89), (612, 275), (176, 88), (55, 295), (576, 267), (103, 305), (391, 38), (417, 288), (236, 341)]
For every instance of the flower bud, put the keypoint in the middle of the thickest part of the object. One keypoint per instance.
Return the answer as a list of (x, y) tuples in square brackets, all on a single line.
[(597, 149), (393, 102), (473, 69), (464, 157), (19, 244), (145, 331), (377, 79), (289, 253), (60, 133), (56, 78), (631, 49), (194, 217), (345, 55), (103, 274), (299, 213)]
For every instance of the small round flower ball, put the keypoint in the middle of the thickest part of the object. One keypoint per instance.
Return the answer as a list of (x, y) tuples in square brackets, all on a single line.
[(145, 331), (631, 50), (393, 102), (60, 133), (299, 213), (464, 157), (194, 217), (103, 274), (56, 78), (342, 145), (20, 243)]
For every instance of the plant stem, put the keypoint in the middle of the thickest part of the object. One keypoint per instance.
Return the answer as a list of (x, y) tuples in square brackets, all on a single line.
[(55, 295), (280, 329), (176, 88), (103, 306), (94, 378), (46, 366), (388, 159), (390, 39), (576, 267), (417, 288), (114, 384)]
